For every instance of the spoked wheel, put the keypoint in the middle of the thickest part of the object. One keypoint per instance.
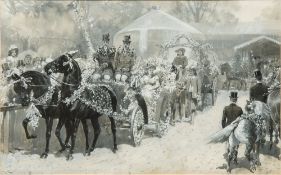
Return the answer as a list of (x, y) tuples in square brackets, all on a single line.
[(137, 126), (164, 113)]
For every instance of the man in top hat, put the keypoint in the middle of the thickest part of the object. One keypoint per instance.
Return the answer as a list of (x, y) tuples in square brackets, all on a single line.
[(104, 56), (232, 111), (179, 63), (124, 60), (230, 114), (259, 91)]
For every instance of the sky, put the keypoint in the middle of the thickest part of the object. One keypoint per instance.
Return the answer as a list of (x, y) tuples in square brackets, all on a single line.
[(250, 10)]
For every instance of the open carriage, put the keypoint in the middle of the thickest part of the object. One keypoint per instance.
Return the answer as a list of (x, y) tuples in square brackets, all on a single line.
[(140, 105), (136, 112)]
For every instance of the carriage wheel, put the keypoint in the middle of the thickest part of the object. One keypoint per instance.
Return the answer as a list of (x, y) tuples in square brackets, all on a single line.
[(164, 115), (137, 126)]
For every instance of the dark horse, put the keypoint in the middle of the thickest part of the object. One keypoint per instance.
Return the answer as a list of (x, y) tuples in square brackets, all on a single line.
[(38, 84), (73, 113)]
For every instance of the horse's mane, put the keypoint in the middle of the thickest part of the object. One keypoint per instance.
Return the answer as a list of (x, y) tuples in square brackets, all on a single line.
[(39, 82), (37, 77), (79, 72)]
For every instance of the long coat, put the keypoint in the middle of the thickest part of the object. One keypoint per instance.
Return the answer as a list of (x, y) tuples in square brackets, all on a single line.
[(259, 92), (230, 113)]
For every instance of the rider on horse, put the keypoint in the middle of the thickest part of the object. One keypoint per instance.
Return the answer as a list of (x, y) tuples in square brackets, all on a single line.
[(259, 92)]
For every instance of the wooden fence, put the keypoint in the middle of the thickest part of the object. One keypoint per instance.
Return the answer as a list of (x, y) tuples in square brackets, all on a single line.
[(12, 135)]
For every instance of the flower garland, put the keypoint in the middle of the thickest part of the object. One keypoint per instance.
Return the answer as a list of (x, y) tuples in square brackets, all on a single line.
[(93, 96), (33, 114)]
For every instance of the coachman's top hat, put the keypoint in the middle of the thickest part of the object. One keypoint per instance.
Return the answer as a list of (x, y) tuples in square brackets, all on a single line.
[(127, 39), (106, 37), (257, 73), (233, 94)]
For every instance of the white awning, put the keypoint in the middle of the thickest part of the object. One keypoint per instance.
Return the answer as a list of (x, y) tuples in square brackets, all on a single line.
[(257, 39)]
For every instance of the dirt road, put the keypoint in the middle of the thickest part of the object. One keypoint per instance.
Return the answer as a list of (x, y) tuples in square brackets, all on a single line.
[(182, 150)]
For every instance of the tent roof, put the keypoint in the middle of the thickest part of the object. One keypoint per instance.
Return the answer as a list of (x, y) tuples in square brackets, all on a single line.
[(261, 39), (157, 19)]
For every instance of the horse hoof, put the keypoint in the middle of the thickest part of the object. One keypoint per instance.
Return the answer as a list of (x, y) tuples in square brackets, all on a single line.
[(44, 155), (32, 137), (252, 169), (276, 141), (228, 170), (114, 150), (69, 157), (67, 145), (258, 163)]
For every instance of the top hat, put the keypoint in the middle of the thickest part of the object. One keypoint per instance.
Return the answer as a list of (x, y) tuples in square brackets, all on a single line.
[(233, 94), (257, 73), (105, 37), (127, 39), (180, 50)]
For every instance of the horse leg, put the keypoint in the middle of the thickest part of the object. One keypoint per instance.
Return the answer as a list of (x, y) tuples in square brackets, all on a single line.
[(249, 148), (73, 137), (97, 130), (67, 126), (24, 124), (86, 131), (49, 125), (258, 154), (229, 157), (270, 133), (113, 129), (57, 133)]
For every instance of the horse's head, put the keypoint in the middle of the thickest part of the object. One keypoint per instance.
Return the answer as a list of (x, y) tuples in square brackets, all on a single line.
[(22, 88), (62, 64)]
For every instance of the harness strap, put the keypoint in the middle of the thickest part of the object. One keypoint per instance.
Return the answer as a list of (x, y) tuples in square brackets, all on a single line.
[(61, 82)]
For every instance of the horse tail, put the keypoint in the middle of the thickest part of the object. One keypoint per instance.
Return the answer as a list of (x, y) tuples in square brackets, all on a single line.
[(142, 104), (113, 98), (222, 135)]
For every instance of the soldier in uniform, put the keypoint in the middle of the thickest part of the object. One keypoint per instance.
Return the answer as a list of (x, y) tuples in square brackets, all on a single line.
[(124, 60), (179, 63), (104, 56), (259, 91)]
